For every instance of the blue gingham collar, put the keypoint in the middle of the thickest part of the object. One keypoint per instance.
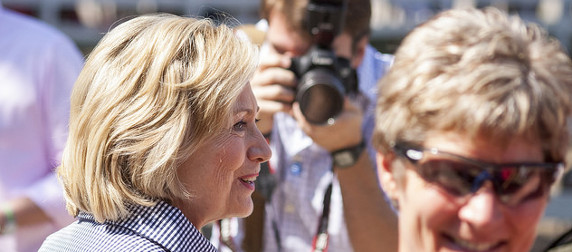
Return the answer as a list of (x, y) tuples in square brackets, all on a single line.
[(162, 223)]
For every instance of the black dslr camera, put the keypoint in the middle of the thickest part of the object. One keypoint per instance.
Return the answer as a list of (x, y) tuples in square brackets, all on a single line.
[(323, 78)]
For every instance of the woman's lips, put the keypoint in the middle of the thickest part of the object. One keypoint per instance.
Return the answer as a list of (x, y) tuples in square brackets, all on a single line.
[(466, 245), (249, 180)]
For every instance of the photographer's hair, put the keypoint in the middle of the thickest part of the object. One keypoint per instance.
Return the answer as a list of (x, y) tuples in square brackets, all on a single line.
[(356, 23), (152, 90), (480, 73)]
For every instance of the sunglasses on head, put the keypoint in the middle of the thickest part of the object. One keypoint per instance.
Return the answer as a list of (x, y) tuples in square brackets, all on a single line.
[(459, 176)]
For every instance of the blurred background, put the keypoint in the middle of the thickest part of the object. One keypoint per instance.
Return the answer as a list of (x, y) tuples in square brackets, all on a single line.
[(86, 21)]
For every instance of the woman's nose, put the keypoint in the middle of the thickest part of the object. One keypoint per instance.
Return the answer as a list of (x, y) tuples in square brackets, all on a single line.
[(260, 151), (483, 210)]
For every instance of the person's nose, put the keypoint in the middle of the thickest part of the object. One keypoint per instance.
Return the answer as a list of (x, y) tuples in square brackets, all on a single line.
[(260, 150), (483, 210)]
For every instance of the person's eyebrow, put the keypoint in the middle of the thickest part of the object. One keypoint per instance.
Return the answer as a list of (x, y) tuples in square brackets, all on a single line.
[(247, 110)]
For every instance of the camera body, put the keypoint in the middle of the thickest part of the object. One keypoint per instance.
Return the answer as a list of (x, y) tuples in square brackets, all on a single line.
[(323, 78)]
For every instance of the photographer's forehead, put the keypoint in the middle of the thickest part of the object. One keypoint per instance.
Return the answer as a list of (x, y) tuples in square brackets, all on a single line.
[(292, 45), (284, 39)]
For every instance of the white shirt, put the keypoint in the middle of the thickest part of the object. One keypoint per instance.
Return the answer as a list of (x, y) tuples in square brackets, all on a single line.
[(38, 66)]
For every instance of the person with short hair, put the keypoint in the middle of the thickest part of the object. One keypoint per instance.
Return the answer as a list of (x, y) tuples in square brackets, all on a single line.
[(163, 137), (471, 131)]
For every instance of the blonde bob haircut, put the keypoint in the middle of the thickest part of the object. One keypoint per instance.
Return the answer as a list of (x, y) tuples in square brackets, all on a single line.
[(152, 90), (480, 73)]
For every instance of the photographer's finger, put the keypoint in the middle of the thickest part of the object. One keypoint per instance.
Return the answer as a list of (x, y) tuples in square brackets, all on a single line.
[(276, 93), (274, 60), (272, 107), (273, 76)]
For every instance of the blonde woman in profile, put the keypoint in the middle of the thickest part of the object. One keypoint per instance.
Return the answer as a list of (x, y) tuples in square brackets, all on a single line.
[(163, 137)]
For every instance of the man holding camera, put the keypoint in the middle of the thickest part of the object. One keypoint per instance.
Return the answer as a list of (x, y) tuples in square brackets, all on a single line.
[(313, 104)]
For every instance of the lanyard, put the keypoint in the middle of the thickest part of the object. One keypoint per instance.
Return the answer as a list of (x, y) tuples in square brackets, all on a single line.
[(321, 238), (320, 241)]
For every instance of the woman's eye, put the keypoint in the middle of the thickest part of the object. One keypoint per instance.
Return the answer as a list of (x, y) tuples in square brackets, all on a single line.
[(239, 126)]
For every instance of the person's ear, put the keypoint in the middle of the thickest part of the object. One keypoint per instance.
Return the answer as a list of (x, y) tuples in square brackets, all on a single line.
[(386, 176), (359, 51)]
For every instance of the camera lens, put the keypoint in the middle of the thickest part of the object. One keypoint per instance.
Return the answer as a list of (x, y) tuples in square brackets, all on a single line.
[(320, 95)]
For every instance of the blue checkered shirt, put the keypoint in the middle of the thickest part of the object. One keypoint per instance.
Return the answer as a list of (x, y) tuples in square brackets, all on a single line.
[(158, 228)]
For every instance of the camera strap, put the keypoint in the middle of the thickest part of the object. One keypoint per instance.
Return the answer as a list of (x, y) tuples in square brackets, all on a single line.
[(321, 239)]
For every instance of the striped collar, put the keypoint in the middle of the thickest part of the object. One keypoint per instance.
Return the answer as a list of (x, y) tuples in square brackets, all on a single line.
[(161, 224)]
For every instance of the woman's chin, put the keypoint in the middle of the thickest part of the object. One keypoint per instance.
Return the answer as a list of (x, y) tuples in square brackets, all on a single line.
[(244, 210)]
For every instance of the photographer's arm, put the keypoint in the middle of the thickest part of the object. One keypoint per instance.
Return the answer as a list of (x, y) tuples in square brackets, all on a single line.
[(371, 223)]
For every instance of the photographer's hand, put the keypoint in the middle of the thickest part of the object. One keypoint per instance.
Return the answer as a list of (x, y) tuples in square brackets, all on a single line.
[(371, 222), (345, 132), (273, 86)]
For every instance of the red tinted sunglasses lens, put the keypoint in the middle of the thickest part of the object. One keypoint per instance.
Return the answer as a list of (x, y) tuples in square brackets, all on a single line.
[(523, 182)]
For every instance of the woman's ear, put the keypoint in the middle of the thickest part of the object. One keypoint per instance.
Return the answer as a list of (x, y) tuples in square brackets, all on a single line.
[(386, 176)]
